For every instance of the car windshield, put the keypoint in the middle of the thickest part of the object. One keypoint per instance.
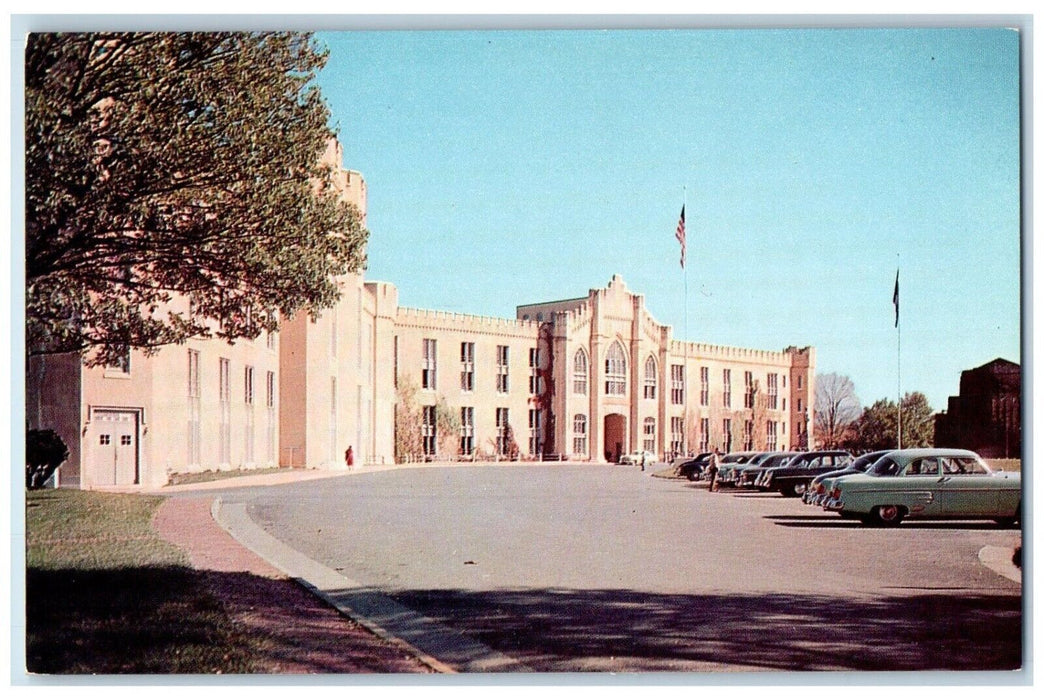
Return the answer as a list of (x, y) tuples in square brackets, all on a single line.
[(863, 463), (883, 467)]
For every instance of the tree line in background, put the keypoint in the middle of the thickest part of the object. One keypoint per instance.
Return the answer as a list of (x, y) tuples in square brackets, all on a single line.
[(842, 422)]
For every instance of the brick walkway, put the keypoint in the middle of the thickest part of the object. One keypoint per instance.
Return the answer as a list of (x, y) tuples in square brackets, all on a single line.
[(300, 633)]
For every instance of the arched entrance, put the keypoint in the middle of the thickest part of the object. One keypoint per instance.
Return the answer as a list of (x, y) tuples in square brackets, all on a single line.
[(615, 436)]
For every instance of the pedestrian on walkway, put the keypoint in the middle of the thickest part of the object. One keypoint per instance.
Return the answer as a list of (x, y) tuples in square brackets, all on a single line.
[(349, 457), (712, 469)]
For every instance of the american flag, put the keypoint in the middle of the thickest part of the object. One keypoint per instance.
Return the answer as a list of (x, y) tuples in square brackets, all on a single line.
[(680, 235)]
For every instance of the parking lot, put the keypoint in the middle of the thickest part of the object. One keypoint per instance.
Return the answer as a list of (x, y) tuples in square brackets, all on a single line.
[(593, 567)]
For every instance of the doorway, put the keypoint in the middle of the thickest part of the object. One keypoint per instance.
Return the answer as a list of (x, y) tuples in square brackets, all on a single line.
[(615, 436), (114, 449)]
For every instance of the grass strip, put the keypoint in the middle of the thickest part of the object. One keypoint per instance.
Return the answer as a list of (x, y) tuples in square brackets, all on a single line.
[(106, 595)]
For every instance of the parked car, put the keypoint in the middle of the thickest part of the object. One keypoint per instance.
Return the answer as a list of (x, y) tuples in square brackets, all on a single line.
[(928, 483), (793, 478), (730, 464), (637, 458), (818, 488), (753, 469), (692, 468)]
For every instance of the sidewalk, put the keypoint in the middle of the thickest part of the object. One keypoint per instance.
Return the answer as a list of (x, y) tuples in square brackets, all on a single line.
[(300, 633)]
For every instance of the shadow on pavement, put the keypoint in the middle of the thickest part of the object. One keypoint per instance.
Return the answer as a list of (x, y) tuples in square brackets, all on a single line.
[(578, 630)]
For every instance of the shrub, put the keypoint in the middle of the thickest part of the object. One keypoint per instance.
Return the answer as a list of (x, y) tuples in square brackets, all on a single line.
[(44, 453)]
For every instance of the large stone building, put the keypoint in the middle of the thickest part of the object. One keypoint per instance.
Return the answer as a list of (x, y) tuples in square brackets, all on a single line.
[(585, 379), (986, 416)]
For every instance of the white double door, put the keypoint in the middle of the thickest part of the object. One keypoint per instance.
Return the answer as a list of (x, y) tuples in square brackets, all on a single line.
[(114, 454)]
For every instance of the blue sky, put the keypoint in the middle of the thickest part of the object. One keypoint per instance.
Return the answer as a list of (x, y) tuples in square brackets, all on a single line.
[(511, 167)]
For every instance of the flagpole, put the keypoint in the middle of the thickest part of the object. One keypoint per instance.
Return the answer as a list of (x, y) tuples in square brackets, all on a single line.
[(898, 357), (685, 343)]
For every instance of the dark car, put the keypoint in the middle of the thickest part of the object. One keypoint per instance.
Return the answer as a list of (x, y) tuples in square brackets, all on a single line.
[(766, 460), (692, 468), (730, 465), (815, 494), (793, 478)]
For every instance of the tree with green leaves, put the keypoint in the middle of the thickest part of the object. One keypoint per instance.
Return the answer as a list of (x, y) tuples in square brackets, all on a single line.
[(876, 427), (175, 189)]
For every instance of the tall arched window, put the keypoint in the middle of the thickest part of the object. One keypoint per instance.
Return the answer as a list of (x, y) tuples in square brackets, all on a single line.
[(580, 434), (580, 372), (615, 371), (649, 378)]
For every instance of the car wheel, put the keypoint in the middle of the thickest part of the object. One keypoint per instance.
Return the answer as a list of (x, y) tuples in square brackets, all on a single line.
[(1013, 520), (889, 516), (799, 489), (787, 491)]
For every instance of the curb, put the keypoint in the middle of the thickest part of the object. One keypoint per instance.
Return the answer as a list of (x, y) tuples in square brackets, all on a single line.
[(998, 559), (437, 646)]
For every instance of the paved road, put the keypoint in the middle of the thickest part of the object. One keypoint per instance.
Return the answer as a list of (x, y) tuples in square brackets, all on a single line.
[(580, 568)]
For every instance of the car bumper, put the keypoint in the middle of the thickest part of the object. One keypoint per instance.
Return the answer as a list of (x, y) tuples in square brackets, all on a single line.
[(833, 504)]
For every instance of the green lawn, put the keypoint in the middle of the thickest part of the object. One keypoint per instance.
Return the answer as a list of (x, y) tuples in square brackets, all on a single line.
[(105, 595)]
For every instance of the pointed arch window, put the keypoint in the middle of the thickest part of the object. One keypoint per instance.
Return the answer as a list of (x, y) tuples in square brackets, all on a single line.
[(580, 372), (649, 378), (615, 371)]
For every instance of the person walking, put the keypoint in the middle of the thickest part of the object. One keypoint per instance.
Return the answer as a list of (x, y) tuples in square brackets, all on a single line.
[(712, 469), (349, 457)]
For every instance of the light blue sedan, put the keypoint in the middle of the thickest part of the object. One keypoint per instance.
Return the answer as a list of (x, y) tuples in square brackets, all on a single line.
[(927, 483)]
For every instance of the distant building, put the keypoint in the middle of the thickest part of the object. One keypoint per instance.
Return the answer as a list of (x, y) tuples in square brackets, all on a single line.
[(987, 414), (583, 379)]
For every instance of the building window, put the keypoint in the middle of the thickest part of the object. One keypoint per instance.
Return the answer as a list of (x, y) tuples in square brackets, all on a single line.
[(270, 340), (748, 390), (799, 381), (467, 366), (726, 431), (467, 430), (534, 371), (580, 372), (225, 411), (771, 438), (270, 428), (502, 431), (502, 369), (248, 385), (428, 364), (121, 364), (428, 430), (615, 371), (748, 435), (677, 385), (649, 434), (773, 391), (726, 392), (704, 386), (704, 434), (331, 423), (649, 380), (333, 333), (535, 446), (194, 423), (580, 434), (677, 434)]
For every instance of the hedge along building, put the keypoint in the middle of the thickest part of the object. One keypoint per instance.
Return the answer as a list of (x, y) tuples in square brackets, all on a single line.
[(585, 378)]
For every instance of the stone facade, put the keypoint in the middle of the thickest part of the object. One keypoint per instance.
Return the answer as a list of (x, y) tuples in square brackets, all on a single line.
[(585, 379), (986, 416)]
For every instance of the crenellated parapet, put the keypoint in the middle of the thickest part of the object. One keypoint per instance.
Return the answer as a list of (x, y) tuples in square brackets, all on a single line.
[(453, 320), (728, 353)]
